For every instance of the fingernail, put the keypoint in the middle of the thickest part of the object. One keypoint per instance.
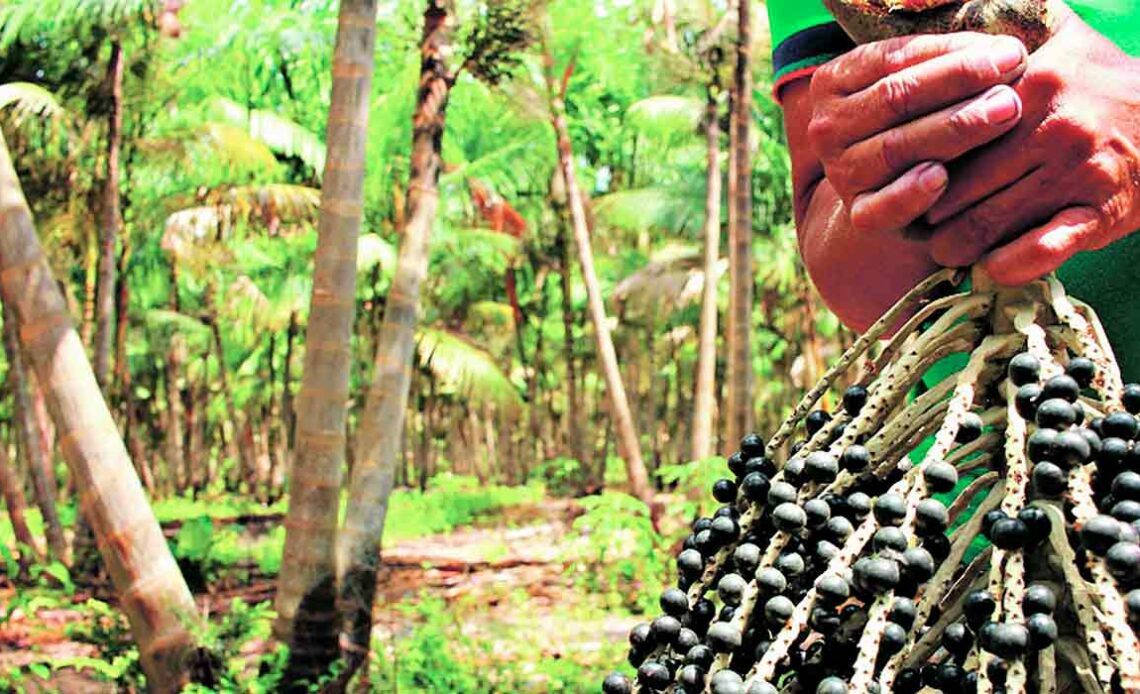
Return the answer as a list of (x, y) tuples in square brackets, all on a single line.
[(932, 177), (1007, 55), (1000, 105)]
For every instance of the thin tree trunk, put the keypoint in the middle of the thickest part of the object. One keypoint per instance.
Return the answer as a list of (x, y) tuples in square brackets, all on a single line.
[(111, 223), (378, 442), (628, 444), (574, 410), (306, 596), (12, 489), (235, 439), (740, 387), (705, 397), (150, 587), (39, 465)]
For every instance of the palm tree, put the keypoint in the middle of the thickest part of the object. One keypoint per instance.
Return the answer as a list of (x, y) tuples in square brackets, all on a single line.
[(740, 386), (628, 444), (38, 460), (382, 422), (12, 490), (306, 597), (153, 594), (705, 394)]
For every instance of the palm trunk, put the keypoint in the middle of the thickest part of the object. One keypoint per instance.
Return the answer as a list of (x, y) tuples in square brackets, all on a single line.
[(110, 224), (740, 237), (306, 597), (628, 444), (151, 589), (705, 397), (381, 424), (39, 465)]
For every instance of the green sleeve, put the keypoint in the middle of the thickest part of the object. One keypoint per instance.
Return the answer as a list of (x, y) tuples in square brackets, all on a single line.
[(789, 17)]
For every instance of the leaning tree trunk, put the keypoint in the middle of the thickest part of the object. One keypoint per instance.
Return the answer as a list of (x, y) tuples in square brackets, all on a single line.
[(740, 406), (705, 397), (110, 223), (306, 597), (382, 422), (150, 587), (39, 464), (628, 444)]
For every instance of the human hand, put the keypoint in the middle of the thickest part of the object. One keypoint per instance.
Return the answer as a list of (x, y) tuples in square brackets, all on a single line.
[(1064, 180), (886, 116)]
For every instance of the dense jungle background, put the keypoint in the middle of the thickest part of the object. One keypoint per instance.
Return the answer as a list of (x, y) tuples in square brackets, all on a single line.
[(555, 280)]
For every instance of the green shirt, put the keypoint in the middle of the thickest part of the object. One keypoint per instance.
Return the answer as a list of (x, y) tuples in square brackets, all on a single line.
[(804, 36)]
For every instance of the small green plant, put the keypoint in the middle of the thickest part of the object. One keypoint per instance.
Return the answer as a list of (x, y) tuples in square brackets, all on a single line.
[(624, 556), (424, 660), (105, 628), (563, 476)]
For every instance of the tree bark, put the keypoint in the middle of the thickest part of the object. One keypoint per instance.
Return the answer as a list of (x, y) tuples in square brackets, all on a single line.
[(704, 400), (574, 410), (39, 461), (381, 424), (628, 444), (150, 587), (740, 387), (110, 223), (306, 597)]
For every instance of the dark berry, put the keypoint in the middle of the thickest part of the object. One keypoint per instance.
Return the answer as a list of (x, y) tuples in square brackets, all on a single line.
[(724, 638), (876, 575), (790, 564), (789, 518), (1039, 599), (1037, 521), (691, 678), (771, 581), (731, 589), (736, 464), (702, 615), (759, 464), (931, 517), (701, 656), (860, 505), (889, 538), (1056, 413), (816, 421), (938, 546), (826, 551), (1131, 398), (1040, 445), (1120, 425), (1082, 370), (1126, 511), (747, 558), (918, 564), (664, 630), (1049, 480), (1009, 534), (653, 676), (755, 486), (794, 471), (855, 458), (890, 509), (617, 683), (854, 398), (724, 491), (821, 467), (1063, 387), (817, 512), (778, 610), (1042, 631), (1071, 449), (725, 528), (702, 524), (940, 477), (970, 429), (840, 528), (957, 639), (1024, 368), (1100, 533), (751, 446), (1026, 400), (832, 589), (1009, 641), (674, 602), (978, 607), (1113, 452), (686, 639), (1123, 561), (903, 612), (894, 639), (781, 493)]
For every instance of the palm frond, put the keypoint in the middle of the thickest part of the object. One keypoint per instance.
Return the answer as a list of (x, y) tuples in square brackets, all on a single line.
[(235, 146), (285, 201), (30, 100), (673, 278), (280, 134), (665, 117), (463, 367)]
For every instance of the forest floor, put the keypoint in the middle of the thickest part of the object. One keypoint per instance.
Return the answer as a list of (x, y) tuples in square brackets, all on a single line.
[(500, 590)]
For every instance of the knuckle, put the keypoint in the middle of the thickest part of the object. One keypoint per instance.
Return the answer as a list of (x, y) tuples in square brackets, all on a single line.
[(1074, 140), (894, 150), (896, 93), (823, 81), (821, 133)]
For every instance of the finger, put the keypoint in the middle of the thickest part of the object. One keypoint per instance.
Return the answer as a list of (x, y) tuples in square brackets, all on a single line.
[(867, 64), (941, 136), (964, 239), (1045, 248), (900, 202), (919, 90)]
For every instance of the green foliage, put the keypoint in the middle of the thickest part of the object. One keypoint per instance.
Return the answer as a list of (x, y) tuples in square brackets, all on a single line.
[(624, 559), (424, 660), (692, 481), (449, 502), (563, 476), (105, 628)]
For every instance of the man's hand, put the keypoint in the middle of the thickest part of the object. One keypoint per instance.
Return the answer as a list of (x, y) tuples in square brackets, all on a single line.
[(1066, 179), (888, 115)]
